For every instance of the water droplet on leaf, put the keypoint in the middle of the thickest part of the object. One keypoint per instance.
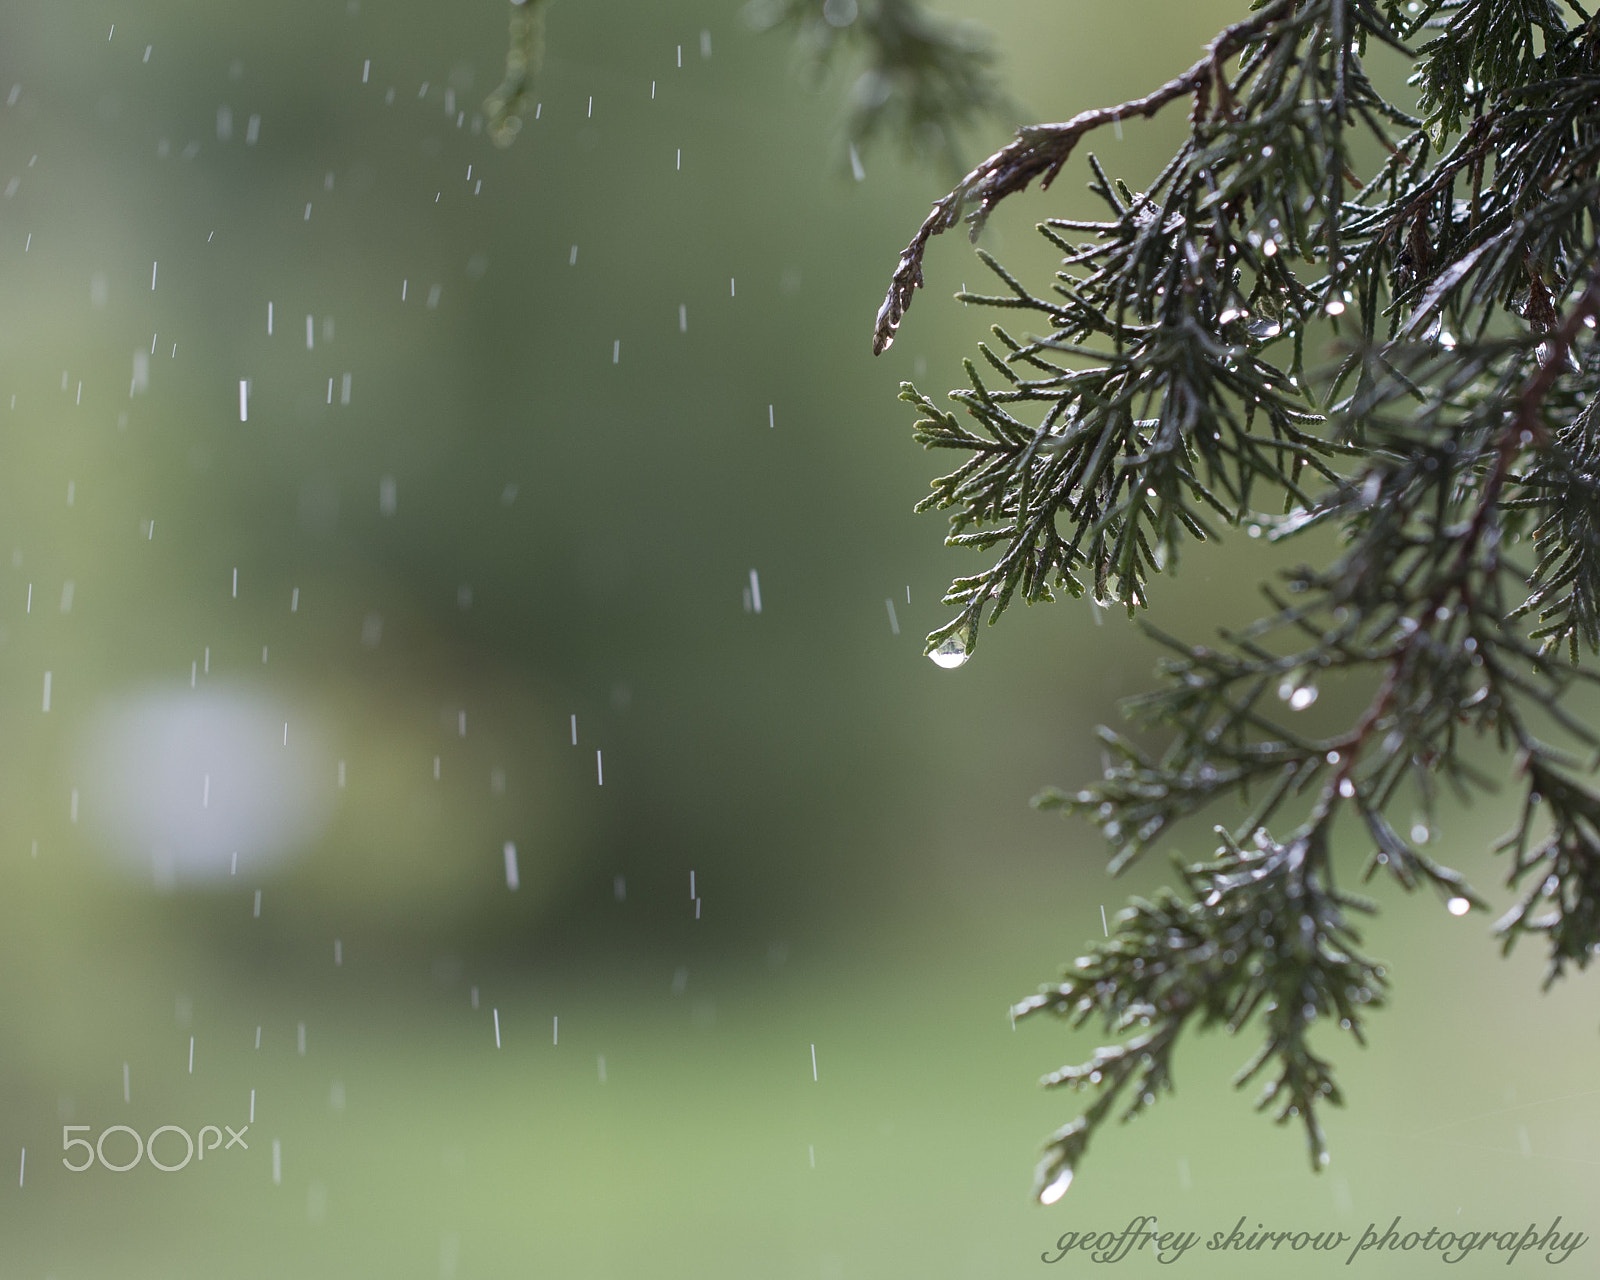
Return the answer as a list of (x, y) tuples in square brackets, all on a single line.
[(1298, 696), (951, 654), (1057, 1188)]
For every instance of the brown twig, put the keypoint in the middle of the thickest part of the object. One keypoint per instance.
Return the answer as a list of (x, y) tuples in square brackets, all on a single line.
[(1042, 149)]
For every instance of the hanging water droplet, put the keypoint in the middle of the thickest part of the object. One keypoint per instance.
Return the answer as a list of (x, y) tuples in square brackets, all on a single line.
[(1057, 1188), (951, 654), (1458, 906), (1299, 696)]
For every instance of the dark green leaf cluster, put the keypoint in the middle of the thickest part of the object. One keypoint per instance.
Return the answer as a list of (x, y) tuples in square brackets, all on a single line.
[(925, 80), (1259, 930), (1332, 312), (1563, 868), (1482, 44), (1564, 486), (1417, 610)]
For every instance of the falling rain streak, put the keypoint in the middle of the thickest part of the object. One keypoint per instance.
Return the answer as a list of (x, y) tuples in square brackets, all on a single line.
[(402, 829)]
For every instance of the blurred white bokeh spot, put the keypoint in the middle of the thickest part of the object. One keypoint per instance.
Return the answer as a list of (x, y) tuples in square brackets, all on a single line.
[(193, 786)]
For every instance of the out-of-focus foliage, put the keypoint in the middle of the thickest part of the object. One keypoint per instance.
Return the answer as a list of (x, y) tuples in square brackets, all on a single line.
[(925, 81), (508, 102)]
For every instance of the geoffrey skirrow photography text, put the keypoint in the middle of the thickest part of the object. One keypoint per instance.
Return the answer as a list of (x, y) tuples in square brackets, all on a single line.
[(1143, 1235)]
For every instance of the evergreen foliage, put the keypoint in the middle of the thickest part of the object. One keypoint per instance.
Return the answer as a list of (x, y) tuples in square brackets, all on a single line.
[(1449, 251), (1170, 384)]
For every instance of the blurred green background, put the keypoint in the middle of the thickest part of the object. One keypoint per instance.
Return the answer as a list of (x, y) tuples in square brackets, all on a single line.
[(508, 461)]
